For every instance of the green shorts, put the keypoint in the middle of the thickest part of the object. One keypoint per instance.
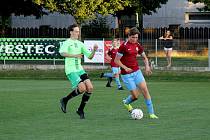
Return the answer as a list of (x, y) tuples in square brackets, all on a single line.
[(74, 78)]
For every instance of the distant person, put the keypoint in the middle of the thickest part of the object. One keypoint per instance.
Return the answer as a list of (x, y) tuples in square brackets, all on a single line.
[(110, 55), (73, 50), (167, 41), (131, 74)]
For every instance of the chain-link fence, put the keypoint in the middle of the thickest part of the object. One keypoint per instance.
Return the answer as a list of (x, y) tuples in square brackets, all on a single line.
[(187, 53)]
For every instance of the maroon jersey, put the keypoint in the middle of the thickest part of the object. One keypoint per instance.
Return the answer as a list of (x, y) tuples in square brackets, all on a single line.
[(112, 53), (129, 53)]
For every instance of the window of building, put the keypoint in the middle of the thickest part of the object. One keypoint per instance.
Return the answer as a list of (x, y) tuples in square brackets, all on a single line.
[(201, 17)]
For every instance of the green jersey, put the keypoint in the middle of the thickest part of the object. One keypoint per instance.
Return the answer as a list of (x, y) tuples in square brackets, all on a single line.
[(71, 46)]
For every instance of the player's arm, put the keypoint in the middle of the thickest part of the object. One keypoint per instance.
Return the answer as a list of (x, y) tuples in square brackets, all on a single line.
[(64, 54), (169, 37), (146, 63), (88, 53), (95, 47), (119, 63), (138, 55), (107, 56)]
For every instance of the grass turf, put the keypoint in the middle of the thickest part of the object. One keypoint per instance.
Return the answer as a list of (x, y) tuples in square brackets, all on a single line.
[(158, 75), (29, 109)]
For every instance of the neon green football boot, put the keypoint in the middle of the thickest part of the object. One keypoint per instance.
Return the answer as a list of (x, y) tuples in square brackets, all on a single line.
[(128, 106), (153, 116)]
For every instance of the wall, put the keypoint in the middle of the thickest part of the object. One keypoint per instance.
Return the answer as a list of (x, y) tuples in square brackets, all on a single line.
[(54, 20)]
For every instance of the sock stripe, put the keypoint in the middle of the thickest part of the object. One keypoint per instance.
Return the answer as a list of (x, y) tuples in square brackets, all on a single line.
[(87, 93)]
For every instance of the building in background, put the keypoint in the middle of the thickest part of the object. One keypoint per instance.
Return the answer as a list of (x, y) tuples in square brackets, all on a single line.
[(55, 20), (178, 13)]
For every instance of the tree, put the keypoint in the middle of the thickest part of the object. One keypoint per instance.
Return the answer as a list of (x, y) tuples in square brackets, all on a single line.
[(206, 3), (17, 7), (20, 7), (83, 9), (80, 9)]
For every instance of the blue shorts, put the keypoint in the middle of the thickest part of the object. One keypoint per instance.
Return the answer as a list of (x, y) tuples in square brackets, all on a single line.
[(115, 70), (133, 79)]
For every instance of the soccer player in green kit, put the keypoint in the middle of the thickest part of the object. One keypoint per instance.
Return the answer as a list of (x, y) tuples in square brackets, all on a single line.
[(73, 50)]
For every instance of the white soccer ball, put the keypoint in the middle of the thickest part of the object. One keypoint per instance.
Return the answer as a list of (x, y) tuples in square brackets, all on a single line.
[(137, 114)]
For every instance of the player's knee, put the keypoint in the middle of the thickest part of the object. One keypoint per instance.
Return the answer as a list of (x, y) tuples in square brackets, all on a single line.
[(116, 75), (82, 88), (90, 88)]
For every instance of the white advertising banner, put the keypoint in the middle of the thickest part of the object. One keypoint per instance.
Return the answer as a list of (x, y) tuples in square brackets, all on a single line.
[(99, 55)]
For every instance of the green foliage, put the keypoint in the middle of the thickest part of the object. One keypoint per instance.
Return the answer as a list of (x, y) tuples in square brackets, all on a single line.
[(83, 9), (206, 3), (158, 75), (20, 7), (80, 9), (17, 7)]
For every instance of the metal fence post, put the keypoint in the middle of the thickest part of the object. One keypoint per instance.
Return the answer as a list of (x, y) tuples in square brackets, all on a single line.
[(54, 65), (209, 53), (156, 46), (4, 64)]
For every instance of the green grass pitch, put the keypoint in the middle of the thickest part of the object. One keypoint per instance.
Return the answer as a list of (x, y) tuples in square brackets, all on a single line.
[(29, 110)]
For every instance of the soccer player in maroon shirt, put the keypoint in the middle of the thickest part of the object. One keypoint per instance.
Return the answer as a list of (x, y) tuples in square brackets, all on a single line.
[(110, 56), (131, 74), (115, 68)]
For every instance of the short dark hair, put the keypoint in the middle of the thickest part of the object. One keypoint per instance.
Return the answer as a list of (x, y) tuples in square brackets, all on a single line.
[(133, 31), (71, 27)]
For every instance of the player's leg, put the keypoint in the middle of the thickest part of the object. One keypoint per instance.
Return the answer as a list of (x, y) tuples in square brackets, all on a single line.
[(130, 99), (116, 71), (86, 95), (148, 100), (169, 57), (109, 78), (131, 86), (78, 88), (140, 81), (166, 54)]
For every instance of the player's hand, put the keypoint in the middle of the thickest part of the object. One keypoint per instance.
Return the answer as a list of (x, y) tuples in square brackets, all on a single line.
[(161, 37), (148, 71), (128, 70), (95, 47), (78, 55)]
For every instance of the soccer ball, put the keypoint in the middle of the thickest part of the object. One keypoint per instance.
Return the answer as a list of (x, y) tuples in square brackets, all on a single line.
[(137, 114)]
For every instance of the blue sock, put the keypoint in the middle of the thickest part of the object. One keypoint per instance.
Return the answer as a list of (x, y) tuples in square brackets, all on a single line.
[(108, 75), (117, 80), (128, 100), (149, 106)]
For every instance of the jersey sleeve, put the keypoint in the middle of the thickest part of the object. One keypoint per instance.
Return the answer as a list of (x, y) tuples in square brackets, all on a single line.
[(121, 49), (85, 51), (63, 47)]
